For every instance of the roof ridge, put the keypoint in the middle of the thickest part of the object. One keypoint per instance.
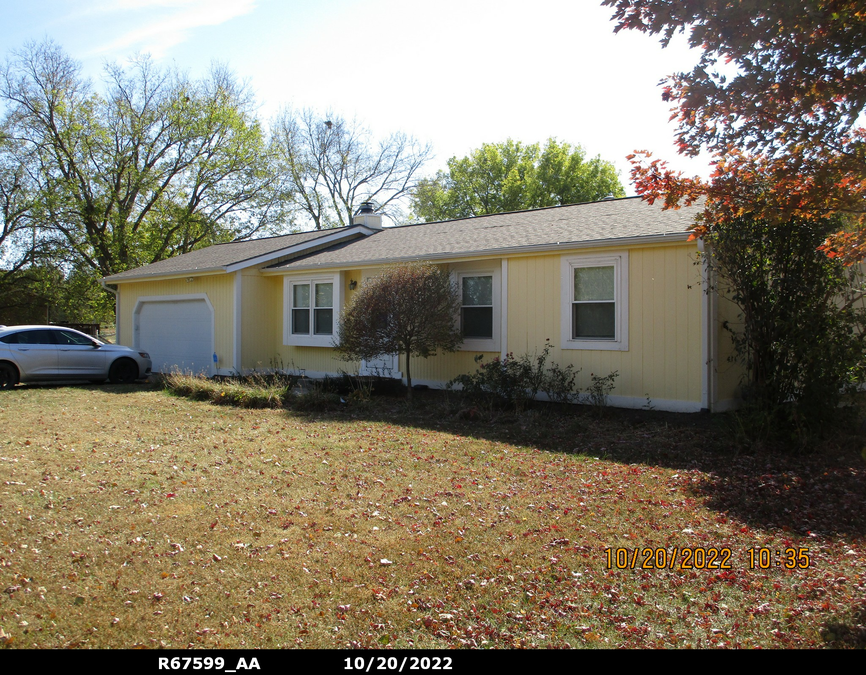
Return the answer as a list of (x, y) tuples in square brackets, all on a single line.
[(278, 236), (506, 213)]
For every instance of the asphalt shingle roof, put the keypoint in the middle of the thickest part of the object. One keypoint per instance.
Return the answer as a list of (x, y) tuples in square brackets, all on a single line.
[(219, 255), (578, 224), (559, 225)]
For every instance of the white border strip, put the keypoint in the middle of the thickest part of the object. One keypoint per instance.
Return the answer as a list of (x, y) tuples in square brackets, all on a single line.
[(242, 264), (238, 322), (299, 248), (503, 330), (631, 402)]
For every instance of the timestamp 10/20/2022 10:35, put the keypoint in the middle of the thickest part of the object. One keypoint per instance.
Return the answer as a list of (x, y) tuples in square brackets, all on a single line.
[(700, 558)]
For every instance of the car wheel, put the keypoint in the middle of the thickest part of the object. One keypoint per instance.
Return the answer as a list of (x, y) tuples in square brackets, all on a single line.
[(8, 376), (123, 371)]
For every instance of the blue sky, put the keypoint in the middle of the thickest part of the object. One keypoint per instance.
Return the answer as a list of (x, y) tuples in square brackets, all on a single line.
[(455, 73)]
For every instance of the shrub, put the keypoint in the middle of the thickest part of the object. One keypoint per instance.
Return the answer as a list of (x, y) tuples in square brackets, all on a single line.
[(516, 381), (600, 389), (559, 384)]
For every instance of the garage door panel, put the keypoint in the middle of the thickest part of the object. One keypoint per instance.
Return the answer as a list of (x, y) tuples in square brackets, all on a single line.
[(177, 334)]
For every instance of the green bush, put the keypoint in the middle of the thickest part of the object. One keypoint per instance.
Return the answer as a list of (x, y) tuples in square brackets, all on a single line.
[(559, 383), (601, 388), (802, 328), (515, 381)]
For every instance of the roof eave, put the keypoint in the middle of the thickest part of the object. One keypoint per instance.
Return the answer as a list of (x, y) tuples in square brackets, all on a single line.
[(162, 276), (247, 262)]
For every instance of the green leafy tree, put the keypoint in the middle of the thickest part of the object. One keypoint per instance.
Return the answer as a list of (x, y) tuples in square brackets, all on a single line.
[(328, 166), (801, 337), (410, 309), (157, 165), (511, 176), (19, 245), (44, 293)]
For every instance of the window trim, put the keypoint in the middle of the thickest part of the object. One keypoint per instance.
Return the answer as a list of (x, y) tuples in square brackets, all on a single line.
[(482, 344), (619, 261), (311, 339)]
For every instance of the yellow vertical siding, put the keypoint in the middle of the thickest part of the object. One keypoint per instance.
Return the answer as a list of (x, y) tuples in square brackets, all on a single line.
[(439, 369), (261, 321), (219, 289), (444, 367), (663, 359)]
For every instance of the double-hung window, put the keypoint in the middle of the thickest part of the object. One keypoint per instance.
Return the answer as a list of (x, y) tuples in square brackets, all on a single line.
[(480, 298), (476, 312), (595, 302), (311, 311)]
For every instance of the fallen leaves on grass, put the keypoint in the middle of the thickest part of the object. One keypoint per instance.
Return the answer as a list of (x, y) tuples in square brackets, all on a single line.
[(196, 525)]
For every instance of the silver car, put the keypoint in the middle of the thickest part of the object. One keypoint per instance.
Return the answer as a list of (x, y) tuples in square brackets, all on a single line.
[(32, 353)]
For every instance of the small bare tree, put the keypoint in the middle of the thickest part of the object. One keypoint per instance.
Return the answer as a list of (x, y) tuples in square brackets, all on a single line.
[(410, 309)]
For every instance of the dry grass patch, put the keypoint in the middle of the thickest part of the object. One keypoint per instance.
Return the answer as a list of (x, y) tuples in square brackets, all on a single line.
[(255, 391), (132, 518)]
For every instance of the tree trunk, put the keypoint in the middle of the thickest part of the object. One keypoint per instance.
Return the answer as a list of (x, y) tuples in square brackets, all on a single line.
[(408, 378)]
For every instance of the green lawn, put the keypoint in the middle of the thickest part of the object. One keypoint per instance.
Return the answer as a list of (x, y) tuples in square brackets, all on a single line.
[(129, 517)]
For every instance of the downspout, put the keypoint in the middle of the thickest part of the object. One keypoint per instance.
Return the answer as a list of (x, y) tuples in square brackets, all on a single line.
[(116, 309)]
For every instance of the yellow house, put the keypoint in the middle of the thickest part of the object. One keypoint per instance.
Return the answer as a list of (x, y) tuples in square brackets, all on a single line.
[(615, 285)]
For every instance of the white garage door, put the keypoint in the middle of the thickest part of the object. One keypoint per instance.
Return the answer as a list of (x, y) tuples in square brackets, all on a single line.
[(177, 334)]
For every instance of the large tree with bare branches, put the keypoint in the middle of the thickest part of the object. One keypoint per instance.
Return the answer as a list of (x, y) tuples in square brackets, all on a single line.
[(329, 165)]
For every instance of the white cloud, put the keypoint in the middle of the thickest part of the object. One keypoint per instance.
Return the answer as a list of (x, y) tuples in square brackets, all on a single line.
[(162, 24)]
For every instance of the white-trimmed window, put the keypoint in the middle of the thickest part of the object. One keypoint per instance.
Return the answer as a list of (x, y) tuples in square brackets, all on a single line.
[(476, 311), (480, 316), (595, 302), (311, 309)]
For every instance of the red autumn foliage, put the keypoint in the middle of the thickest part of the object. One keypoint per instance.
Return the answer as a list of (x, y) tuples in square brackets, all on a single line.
[(783, 125)]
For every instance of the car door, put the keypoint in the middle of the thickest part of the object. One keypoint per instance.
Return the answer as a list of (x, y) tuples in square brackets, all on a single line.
[(35, 353), (79, 356)]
